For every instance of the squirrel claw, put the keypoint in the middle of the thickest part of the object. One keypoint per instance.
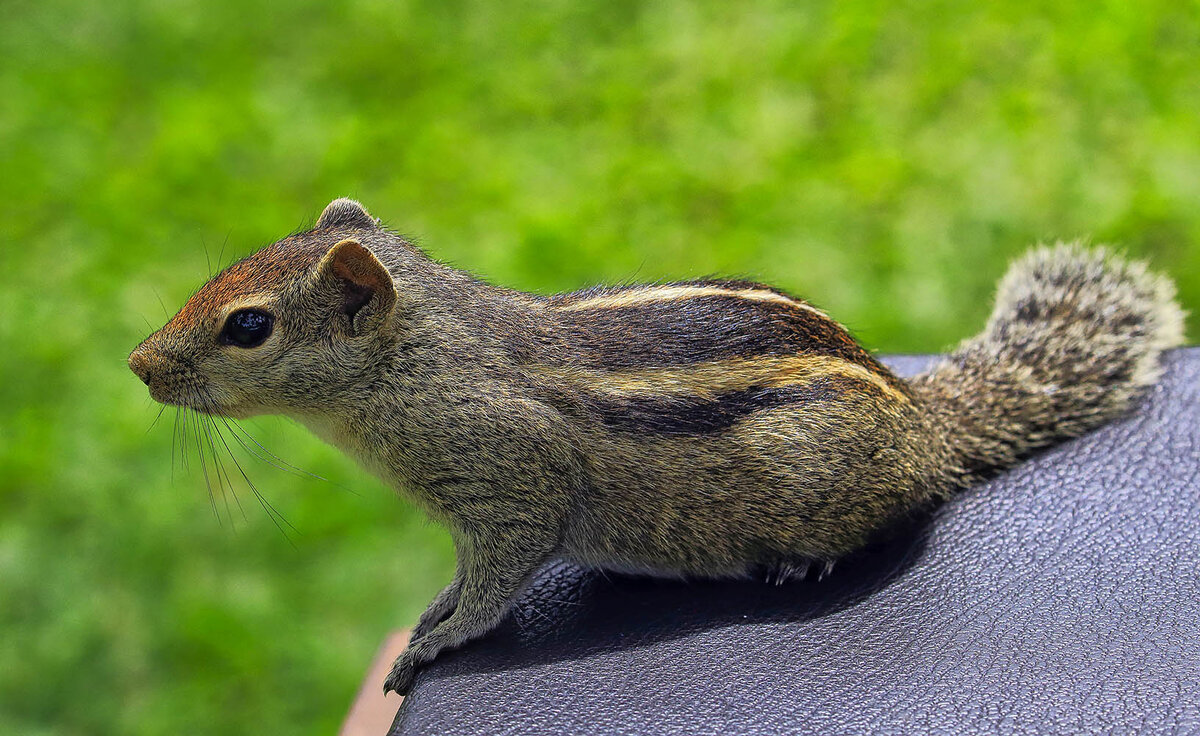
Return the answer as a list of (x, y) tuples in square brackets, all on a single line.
[(400, 679)]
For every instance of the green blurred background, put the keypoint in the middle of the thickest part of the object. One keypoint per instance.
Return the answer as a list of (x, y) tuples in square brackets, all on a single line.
[(884, 159)]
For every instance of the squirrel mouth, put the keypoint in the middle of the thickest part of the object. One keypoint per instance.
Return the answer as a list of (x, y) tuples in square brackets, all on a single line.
[(165, 395), (196, 399), (188, 398)]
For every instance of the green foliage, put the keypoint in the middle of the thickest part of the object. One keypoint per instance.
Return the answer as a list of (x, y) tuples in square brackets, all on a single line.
[(884, 159)]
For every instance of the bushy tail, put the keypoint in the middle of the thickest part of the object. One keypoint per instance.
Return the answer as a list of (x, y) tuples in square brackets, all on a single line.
[(1075, 337)]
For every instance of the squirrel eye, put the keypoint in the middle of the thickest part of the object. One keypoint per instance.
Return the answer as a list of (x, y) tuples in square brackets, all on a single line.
[(247, 328)]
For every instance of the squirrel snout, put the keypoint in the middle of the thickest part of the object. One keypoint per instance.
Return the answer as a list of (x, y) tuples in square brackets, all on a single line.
[(139, 363), (166, 375)]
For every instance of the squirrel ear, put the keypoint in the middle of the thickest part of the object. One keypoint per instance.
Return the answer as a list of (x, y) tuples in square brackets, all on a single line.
[(346, 213), (364, 288)]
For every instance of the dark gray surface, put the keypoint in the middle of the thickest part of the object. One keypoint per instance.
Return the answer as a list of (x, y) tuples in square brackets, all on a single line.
[(1061, 597)]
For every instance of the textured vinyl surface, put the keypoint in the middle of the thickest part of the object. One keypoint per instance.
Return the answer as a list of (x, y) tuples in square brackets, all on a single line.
[(1061, 597)]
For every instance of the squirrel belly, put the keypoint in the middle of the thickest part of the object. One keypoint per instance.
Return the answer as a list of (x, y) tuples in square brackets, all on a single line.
[(700, 428)]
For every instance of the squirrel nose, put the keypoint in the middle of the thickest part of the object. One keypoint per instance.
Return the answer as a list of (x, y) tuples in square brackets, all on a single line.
[(139, 363)]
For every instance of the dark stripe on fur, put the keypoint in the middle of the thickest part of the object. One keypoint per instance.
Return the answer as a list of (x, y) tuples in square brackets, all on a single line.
[(695, 416), (707, 328)]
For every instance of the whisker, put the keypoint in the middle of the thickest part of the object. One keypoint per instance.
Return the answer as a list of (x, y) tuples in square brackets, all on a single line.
[(207, 259), (273, 513), (209, 428), (239, 432), (203, 427), (161, 304), (174, 442), (222, 477), (201, 434), (183, 441), (156, 418), (216, 430), (207, 481)]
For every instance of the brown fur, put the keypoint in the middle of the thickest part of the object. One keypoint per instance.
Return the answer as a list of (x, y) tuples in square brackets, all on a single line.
[(696, 429)]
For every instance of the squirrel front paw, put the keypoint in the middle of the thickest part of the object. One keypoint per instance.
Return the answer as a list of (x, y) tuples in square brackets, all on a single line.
[(400, 679)]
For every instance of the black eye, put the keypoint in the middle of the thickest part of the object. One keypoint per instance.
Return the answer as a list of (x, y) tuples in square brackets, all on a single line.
[(247, 328)]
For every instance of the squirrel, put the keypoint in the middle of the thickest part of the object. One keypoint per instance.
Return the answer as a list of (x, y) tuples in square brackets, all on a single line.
[(694, 428)]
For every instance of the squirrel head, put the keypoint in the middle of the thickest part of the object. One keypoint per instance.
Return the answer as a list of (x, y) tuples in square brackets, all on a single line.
[(293, 325)]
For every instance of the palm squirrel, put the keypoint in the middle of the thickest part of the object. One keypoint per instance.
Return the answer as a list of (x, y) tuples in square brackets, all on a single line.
[(695, 428)]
